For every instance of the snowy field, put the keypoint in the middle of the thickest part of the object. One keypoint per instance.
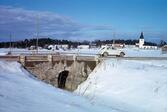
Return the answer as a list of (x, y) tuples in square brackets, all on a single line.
[(128, 86), (114, 86), (16, 51), (20, 92), (129, 52), (135, 52)]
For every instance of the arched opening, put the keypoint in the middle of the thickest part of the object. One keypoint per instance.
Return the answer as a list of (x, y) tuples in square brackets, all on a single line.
[(62, 79)]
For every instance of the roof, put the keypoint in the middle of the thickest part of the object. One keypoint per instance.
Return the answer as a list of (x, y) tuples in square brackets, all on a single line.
[(141, 36)]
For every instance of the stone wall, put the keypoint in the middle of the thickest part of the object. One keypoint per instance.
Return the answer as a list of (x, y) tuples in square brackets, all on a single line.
[(49, 71)]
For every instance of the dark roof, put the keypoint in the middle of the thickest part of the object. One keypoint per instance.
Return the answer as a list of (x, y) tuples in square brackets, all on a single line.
[(165, 46), (141, 36)]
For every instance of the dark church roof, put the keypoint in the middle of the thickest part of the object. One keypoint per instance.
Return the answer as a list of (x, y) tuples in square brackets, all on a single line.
[(141, 36)]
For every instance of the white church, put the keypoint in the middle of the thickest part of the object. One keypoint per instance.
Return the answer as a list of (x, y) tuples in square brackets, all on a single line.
[(141, 44)]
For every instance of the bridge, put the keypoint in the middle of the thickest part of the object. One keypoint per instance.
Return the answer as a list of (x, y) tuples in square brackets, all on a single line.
[(65, 71), (52, 68), (47, 58), (70, 57)]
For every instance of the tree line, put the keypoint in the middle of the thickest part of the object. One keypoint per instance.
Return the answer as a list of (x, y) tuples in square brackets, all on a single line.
[(43, 42)]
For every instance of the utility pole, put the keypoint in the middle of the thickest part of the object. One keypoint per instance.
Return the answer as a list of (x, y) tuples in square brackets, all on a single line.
[(10, 45), (37, 29), (113, 38)]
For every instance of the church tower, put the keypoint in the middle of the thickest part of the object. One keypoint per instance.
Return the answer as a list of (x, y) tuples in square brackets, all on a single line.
[(141, 40)]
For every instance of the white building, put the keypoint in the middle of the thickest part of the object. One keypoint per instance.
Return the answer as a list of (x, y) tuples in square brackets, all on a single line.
[(64, 46), (83, 47), (57, 47), (141, 43)]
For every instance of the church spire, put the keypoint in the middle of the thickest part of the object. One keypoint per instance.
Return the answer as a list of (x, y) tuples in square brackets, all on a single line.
[(141, 36)]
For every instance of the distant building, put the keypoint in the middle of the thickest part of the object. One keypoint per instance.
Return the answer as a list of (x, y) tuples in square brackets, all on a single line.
[(64, 46), (83, 47), (106, 45), (114, 45), (118, 45), (141, 44), (141, 41), (130, 46), (57, 47), (93, 45), (32, 48), (164, 49)]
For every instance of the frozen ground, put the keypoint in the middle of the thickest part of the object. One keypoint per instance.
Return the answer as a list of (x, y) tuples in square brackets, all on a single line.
[(20, 92), (128, 86), (114, 86), (130, 52), (16, 51), (135, 52)]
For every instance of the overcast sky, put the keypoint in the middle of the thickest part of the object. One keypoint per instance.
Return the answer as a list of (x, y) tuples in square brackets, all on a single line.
[(83, 19)]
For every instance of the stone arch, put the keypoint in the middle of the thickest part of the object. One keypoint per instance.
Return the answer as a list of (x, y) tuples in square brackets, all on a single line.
[(62, 79)]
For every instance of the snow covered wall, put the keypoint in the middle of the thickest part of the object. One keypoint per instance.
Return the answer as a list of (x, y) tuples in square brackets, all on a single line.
[(128, 86)]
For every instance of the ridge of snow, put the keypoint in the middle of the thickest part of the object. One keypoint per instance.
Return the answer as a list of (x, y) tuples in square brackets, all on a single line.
[(21, 92), (130, 86)]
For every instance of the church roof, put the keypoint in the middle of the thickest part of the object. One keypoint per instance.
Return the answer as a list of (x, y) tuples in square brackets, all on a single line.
[(141, 36)]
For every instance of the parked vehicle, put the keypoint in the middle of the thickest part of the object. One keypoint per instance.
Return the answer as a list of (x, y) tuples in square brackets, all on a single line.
[(111, 51)]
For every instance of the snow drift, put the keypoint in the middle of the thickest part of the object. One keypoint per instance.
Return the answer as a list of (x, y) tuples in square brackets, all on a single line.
[(128, 86), (20, 92)]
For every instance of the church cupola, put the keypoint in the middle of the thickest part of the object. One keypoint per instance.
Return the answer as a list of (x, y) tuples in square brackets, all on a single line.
[(141, 40), (141, 36)]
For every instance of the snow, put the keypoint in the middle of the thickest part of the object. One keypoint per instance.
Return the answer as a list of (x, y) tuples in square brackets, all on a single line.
[(20, 92), (16, 51), (128, 86), (115, 85), (135, 52), (129, 52)]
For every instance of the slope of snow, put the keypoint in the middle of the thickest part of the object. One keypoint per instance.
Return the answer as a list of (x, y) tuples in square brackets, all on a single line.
[(128, 86), (20, 92)]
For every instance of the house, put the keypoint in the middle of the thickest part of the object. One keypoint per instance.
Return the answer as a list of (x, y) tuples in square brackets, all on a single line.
[(164, 49), (93, 46), (118, 45), (130, 46), (57, 47), (83, 47), (32, 48)]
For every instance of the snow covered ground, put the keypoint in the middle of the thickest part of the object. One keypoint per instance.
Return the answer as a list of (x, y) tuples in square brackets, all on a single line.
[(128, 86), (135, 52), (130, 52), (16, 51), (114, 86), (20, 92)]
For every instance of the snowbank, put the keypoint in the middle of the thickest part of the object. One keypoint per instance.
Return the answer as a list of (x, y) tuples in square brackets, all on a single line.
[(135, 52), (128, 86), (114, 86), (20, 92)]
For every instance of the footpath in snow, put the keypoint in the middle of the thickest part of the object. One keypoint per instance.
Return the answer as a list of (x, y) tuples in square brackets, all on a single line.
[(128, 86)]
